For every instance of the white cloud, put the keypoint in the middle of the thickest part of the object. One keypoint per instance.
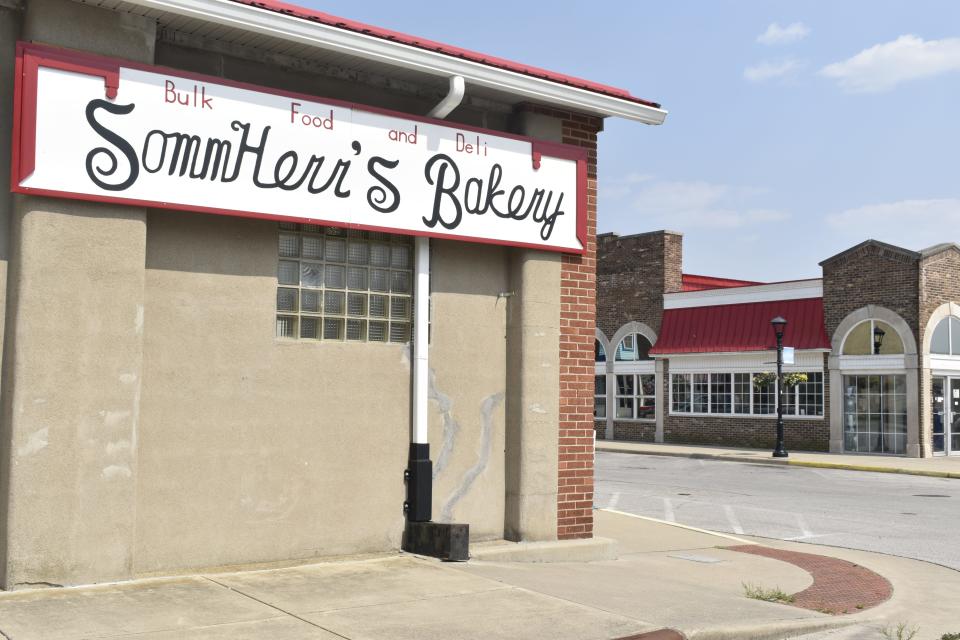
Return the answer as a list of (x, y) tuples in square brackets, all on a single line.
[(620, 187), (882, 67), (690, 205), (912, 224), (770, 70), (775, 34)]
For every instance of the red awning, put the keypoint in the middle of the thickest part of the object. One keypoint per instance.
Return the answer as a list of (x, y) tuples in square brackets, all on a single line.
[(742, 327)]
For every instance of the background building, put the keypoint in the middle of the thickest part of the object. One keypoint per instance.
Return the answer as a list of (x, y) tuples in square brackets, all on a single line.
[(681, 358)]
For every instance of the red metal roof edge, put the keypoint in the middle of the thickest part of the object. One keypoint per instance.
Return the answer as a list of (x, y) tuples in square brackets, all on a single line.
[(713, 282), (430, 45), (745, 338)]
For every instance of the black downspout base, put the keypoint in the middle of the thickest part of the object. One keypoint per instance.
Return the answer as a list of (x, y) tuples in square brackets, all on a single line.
[(446, 541)]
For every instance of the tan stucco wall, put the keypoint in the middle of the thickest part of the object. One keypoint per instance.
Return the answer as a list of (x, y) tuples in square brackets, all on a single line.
[(533, 330), (71, 389), (73, 353), (9, 33), (467, 386), (154, 424), (254, 448)]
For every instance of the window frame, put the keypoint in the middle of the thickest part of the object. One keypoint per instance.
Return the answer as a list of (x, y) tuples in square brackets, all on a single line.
[(688, 396), (598, 396), (873, 324), (353, 318), (637, 398), (950, 320)]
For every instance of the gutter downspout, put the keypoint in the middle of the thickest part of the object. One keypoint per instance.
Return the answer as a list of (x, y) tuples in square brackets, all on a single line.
[(448, 541)]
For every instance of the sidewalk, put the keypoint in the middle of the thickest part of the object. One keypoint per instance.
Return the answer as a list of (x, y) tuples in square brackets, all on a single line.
[(666, 576), (940, 467)]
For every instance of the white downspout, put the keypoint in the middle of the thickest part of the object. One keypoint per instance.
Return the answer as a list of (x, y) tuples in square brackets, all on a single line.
[(420, 468), (452, 100)]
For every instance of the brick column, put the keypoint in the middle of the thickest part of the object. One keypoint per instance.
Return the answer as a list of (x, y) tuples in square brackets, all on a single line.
[(577, 333)]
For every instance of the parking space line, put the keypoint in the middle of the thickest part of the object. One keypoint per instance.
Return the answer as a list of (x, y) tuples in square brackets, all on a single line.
[(732, 519)]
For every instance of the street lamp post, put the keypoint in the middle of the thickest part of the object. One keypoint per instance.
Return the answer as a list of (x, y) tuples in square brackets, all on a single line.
[(778, 324)]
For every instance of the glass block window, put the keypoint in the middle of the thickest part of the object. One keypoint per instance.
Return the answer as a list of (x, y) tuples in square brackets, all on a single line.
[(599, 396), (343, 285)]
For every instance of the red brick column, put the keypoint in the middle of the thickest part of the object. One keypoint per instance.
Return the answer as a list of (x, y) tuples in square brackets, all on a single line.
[(577, 334)]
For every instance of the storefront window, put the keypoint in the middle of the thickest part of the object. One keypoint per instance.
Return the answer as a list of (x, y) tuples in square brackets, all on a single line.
[(737, 394), (680, 394), (765, 398), (872, 337), (636, 396), (946, 338), (599, 354), (875, 414), (633, 347), (338, 284), (806, 398), (720, 389), (599, 396)]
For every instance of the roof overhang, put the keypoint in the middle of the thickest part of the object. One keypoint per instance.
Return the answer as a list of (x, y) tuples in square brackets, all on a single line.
[(233, 15)]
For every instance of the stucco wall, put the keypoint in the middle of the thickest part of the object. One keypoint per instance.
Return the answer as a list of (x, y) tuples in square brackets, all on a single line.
[(468, 356), (168, 429)]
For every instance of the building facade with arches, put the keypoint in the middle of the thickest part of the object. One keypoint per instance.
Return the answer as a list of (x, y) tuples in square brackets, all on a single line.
[(690, 359)]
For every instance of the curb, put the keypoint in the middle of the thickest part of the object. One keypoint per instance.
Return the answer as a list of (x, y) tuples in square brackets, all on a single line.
[(581, 550), (771, 631), (792, 463)]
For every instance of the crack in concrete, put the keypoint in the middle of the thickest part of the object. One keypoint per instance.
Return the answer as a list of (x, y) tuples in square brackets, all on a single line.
[(39, 583), (486, 445), (450, 426), (275, 607)]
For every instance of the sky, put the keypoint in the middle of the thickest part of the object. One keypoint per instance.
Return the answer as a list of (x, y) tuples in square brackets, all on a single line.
[(796, 129)]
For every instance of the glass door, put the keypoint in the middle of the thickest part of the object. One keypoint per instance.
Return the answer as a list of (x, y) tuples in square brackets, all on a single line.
[(939, 416), (952, 434)]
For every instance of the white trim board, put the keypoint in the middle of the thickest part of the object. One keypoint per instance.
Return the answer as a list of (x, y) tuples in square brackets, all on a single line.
[(797, 290), (751, 362)]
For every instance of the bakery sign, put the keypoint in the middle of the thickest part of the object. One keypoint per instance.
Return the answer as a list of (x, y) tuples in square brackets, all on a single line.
[(99, 129)]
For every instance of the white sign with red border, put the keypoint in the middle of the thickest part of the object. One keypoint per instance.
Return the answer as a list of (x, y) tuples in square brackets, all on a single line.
[(100, 129)]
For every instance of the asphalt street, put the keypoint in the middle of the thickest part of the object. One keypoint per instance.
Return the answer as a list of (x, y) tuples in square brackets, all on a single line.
[(909, 516)]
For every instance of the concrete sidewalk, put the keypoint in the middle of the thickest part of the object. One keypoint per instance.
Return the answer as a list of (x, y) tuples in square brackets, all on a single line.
[(939, 467), (665, 576)]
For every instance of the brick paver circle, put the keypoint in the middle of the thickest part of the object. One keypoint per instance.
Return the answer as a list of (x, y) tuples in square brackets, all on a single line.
[(838, 586)]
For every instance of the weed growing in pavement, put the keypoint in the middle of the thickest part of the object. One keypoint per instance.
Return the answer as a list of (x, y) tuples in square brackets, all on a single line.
[(900, 632), (757, 592), (950, 636)]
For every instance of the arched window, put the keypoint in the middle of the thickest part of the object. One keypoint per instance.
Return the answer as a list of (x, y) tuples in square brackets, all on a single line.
[(633, 347), (872, 337), (946, 337), (599, 353)]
